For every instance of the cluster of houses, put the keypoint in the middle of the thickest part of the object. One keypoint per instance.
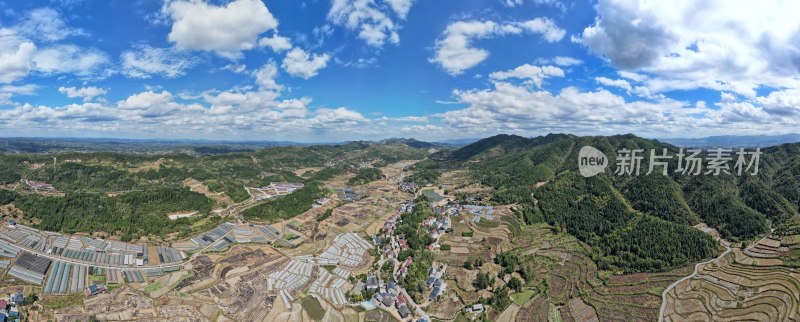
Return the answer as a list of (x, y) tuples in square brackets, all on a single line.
[(436, 227), (389, 295), (397, 244), (435, 281), (320, 202), (9, 306), (411, 187)]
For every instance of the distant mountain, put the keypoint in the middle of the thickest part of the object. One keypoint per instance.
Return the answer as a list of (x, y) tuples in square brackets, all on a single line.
[(458, 142), (735, 140), (59, 145), (414, 143)]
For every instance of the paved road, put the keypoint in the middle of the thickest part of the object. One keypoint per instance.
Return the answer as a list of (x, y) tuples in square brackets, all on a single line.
[(696, 268)]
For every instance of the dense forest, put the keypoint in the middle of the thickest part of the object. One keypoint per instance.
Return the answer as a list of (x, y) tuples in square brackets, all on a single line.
[(134, 214), (364, 176), (147, 186), (610, 212), (288, 206)]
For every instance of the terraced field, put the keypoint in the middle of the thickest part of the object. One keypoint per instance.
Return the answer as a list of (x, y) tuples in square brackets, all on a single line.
[(730, 290), (574, 289)]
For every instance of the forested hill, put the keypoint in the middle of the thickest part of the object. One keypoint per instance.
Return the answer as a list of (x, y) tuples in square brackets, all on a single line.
[(131, 194), (611, 212)]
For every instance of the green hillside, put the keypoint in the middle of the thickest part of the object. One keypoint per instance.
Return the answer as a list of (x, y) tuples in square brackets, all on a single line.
[(610, 212)]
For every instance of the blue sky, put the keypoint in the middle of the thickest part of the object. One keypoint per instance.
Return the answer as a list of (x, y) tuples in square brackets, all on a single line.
[(329, 70)]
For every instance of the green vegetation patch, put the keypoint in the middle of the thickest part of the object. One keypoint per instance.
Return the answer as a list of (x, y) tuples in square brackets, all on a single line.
[(287, 206), (364, 176), (153, 287), (136, 213), (523, 297), (313, 308)]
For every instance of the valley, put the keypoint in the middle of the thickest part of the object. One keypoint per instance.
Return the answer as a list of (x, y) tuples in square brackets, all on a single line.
[(502, 229)]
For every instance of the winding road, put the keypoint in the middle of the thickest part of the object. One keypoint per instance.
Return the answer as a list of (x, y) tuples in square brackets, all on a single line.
[(696, 268)]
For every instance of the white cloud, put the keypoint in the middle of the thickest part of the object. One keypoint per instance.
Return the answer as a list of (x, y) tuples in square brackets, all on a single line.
[(632, 76), (59, 59), (86, 93), (9, 91), (45, 24), (276, 42), (27, 89), (5, 99), (531, 74), (236, 68), (455, 54), (512, 3), (226, 30), (369, 18), (558, 4), (512, 108), (566, 61), (327, 117), (400, 7), (734, 47), (16, 55), (621, 83), (145, 100), (550, 32), (785, 102), (265, 77), (145, 61), (299, 63)]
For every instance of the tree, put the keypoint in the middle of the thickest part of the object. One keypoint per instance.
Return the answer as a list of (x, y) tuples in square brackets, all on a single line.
[(481, 281), (515, 284)]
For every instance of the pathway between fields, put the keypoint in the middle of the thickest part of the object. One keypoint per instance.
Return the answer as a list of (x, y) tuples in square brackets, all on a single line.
[(696, 268)]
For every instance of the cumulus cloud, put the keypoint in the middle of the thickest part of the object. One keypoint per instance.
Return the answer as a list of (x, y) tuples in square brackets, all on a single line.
[(240, 112), (682, 45), (300, 63), (515, 108), (86, 93), (145, 61), (566, 61), (620, 83), (454, 52), (370, 19), (19, 55), (530, 74), (9, 91), (340, 117), (400, 7), (277, 43), (783, 102), (226, 30), (59, 59), (145, 100), (16, 56), (27, 89), (265, 77)]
